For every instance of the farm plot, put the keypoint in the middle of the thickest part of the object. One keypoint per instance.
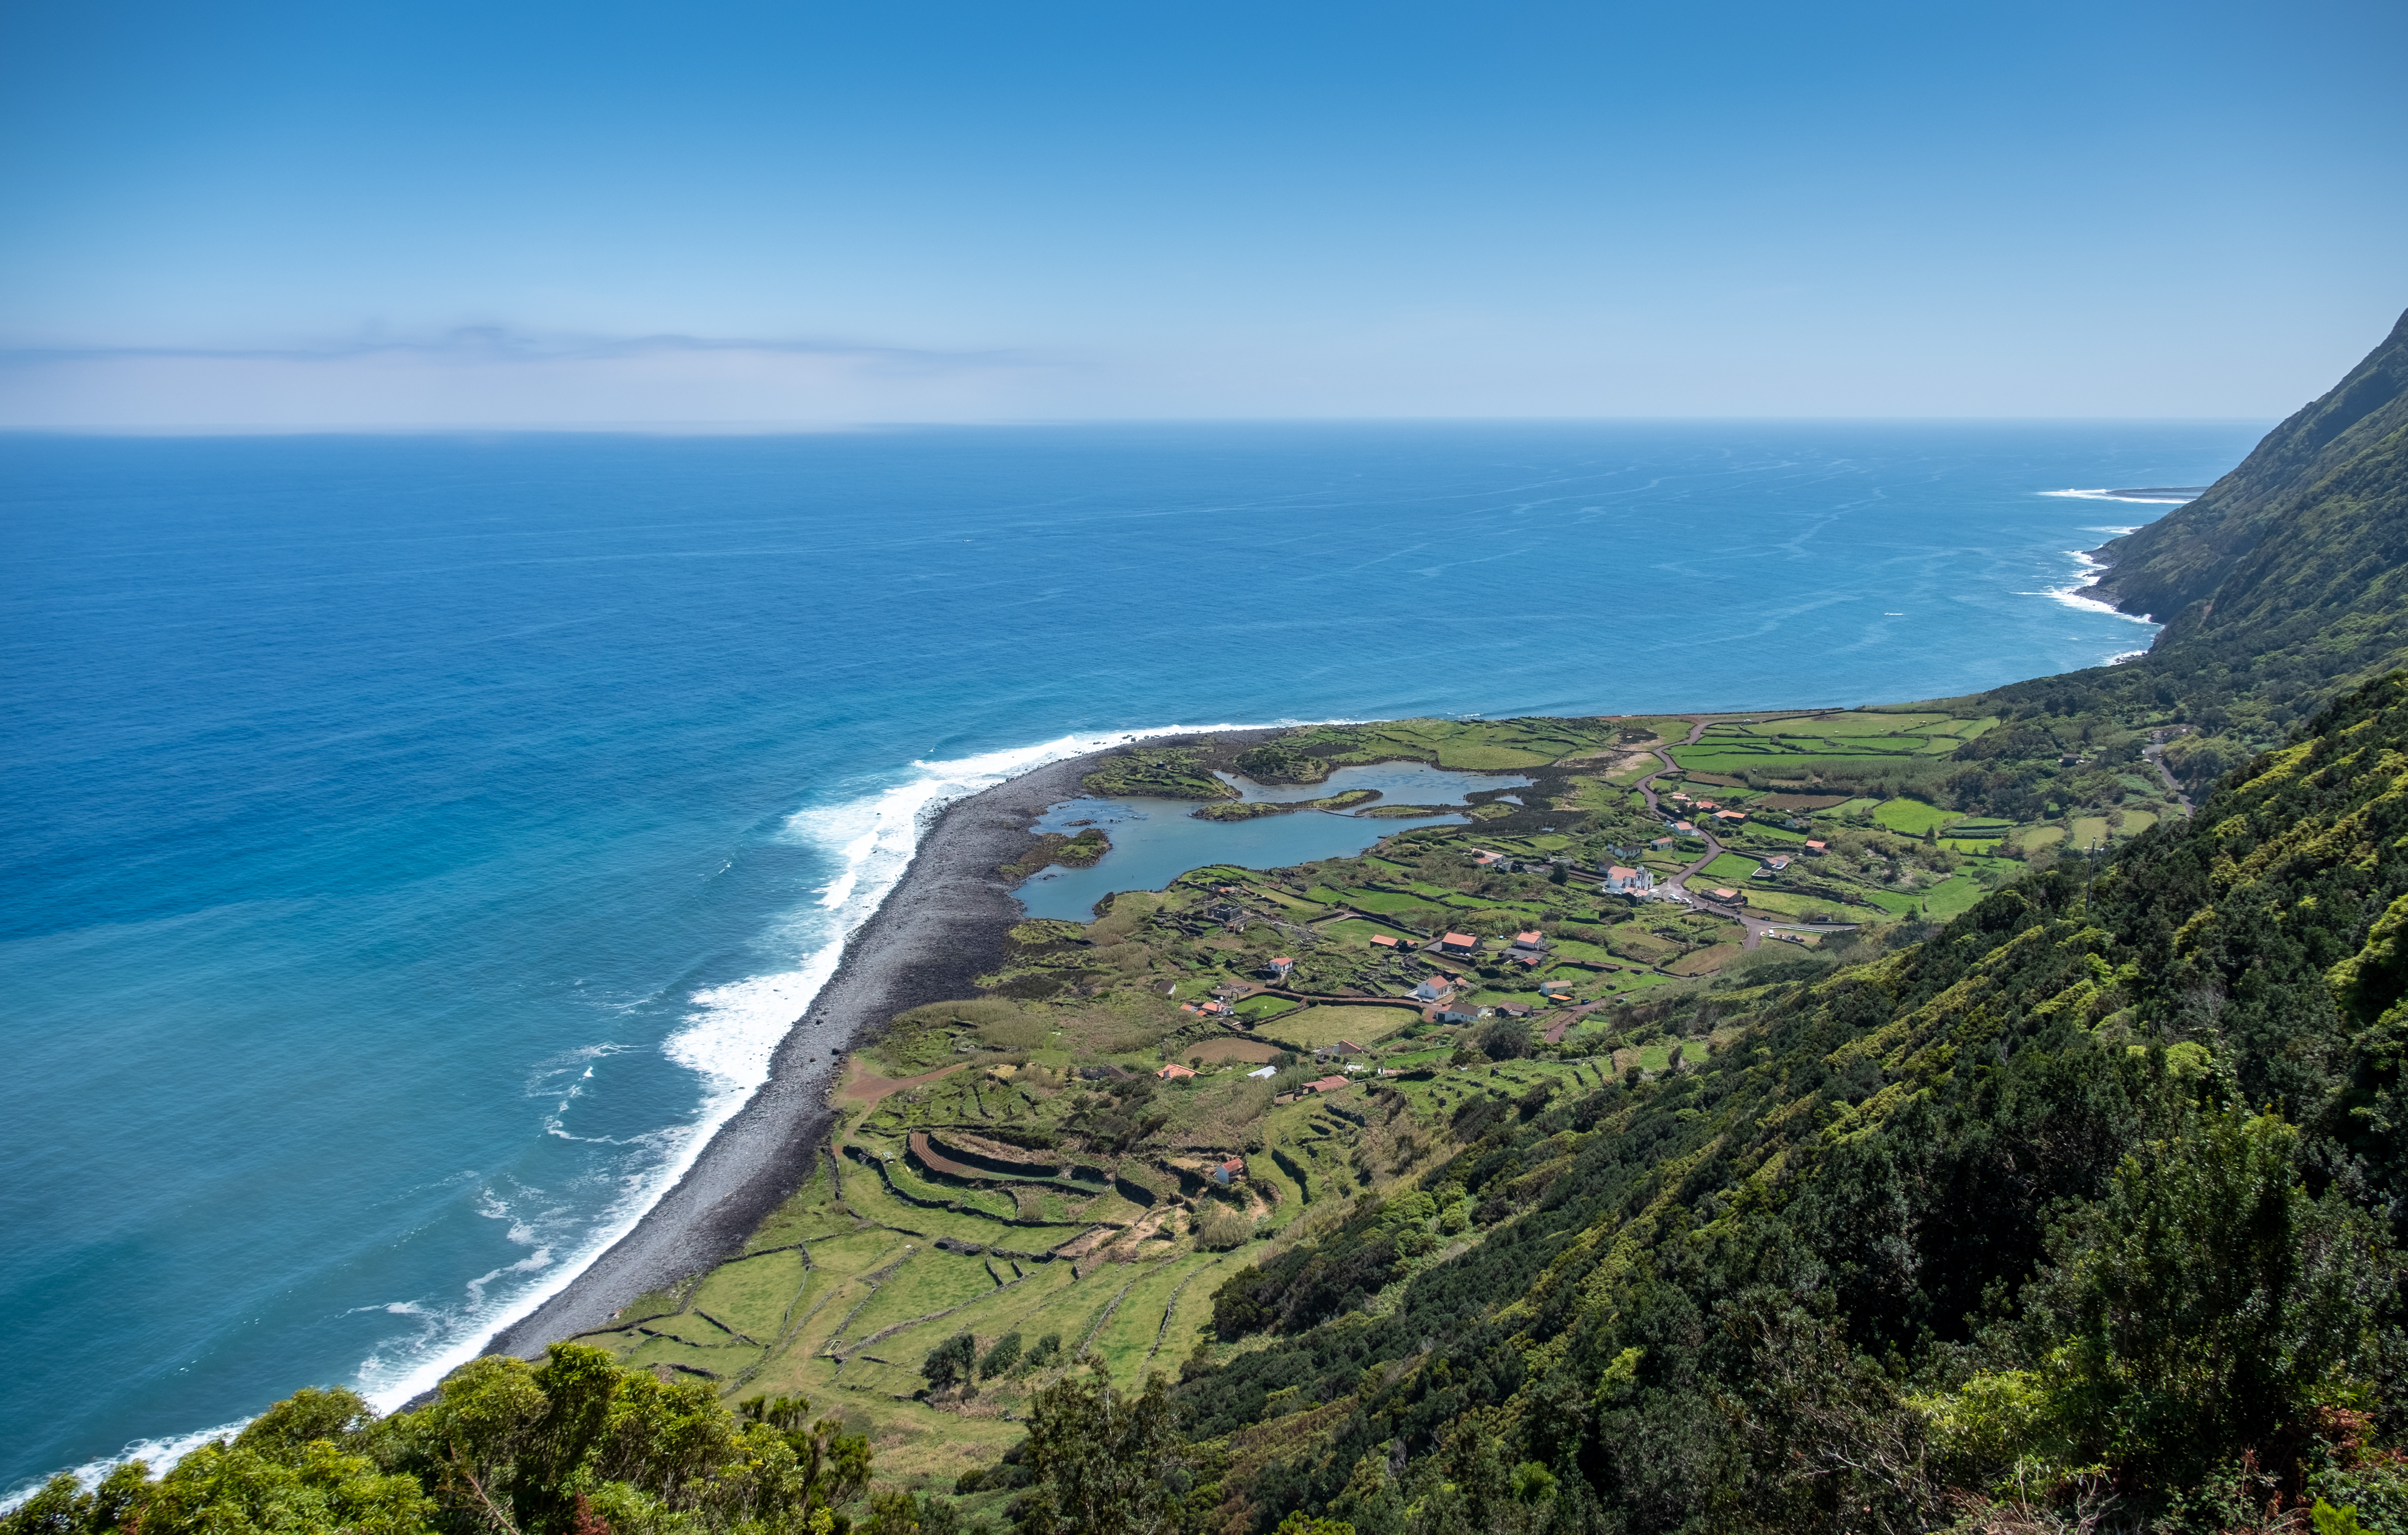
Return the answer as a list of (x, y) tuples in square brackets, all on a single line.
[(1324, 1025)]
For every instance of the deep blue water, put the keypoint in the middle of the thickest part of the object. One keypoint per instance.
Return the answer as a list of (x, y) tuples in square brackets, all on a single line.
[(413, 841)]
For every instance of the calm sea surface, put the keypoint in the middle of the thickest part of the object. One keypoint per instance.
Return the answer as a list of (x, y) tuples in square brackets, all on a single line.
[(415, 845)]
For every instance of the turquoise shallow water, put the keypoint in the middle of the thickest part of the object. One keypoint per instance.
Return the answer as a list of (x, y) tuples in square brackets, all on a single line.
[(1153, 841), (418, 843)]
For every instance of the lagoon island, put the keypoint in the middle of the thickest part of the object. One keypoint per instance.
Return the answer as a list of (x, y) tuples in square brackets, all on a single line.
[(1985, 1114)]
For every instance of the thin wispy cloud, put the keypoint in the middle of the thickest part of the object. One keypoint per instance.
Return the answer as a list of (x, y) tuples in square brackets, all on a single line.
[(503, 344), (488, 376)]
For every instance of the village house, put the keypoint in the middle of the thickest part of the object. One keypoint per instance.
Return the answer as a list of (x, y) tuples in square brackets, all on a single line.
[(1433, 989), (1339, 1051), (1684, 828), (1660, 843), (1382, 940), (1814, 850), (1462, 1013), (1227, 1172), (1277, 969), (1173, 1073), (1778, 862), (1326, 1084), (1622, 881), (1458, 944), (1730, 815), (1730, 897)]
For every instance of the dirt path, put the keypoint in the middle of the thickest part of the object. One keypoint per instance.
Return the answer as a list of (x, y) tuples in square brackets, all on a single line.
[(1754, 928)]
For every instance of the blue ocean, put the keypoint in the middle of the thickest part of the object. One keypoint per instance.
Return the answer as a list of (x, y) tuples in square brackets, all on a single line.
[(415, 845)]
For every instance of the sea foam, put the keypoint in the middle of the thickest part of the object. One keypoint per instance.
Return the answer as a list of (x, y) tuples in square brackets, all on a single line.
[(727, 1041)]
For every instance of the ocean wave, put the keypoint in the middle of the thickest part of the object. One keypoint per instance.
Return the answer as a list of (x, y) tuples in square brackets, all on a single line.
[(2122, 496), (158, 1454), (727, 1041), (2085, 571)]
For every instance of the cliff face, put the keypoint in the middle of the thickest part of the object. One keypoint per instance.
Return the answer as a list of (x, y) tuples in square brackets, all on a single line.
[(2284, 586), (2326, 458)]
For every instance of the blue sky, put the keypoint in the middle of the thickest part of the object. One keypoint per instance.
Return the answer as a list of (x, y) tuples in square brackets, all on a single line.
[(371, 213)]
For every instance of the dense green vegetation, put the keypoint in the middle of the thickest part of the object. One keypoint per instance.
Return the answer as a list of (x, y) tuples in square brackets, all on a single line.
[(2093, 1192), (2260, 629), (572, 1447), (2065, 1192)]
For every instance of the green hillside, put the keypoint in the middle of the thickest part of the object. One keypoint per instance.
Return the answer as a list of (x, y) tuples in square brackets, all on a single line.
[(2283, 585), (2049, 1173), (2092, 1192)]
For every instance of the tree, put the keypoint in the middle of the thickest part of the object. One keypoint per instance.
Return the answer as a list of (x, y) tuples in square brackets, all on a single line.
[(577, 1445), (1107, 1462), (2207, 1305), (950, 1362)]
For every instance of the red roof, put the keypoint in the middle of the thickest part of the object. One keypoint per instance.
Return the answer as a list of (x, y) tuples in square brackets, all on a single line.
[(1326, 1084), (1383, 938), (1724, 895), (1234, 1165), (1817, 846), (1283, 960), (1460, 941), (1531, 937), (1173, 1070)]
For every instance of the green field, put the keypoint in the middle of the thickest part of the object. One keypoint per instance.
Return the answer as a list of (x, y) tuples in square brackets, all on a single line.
[(1955, 894), (1912, 816), (1790, 904), (1329, 1024), (1729, 869), (1389, 903)]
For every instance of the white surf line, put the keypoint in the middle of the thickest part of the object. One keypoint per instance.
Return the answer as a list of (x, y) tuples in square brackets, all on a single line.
[(2111, 495), (729, 1041), (159, 1454), (752, 1016)]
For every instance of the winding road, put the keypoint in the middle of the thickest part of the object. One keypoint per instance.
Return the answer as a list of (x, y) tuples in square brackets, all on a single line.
[(1755, 926), (2156, 753)]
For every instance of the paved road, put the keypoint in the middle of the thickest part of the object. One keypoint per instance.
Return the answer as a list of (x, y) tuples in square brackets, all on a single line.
[(1755, 926), (2156, 753)]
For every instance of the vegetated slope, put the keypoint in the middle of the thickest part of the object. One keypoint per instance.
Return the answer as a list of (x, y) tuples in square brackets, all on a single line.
[(2179, 561), (2282, 586), (2090, 1194)]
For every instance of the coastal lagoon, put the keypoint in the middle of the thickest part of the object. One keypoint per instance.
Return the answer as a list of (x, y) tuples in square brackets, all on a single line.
[(1156, 840), (418, 844)]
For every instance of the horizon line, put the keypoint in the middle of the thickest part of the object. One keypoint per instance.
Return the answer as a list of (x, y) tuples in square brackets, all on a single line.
[(832, 428)]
